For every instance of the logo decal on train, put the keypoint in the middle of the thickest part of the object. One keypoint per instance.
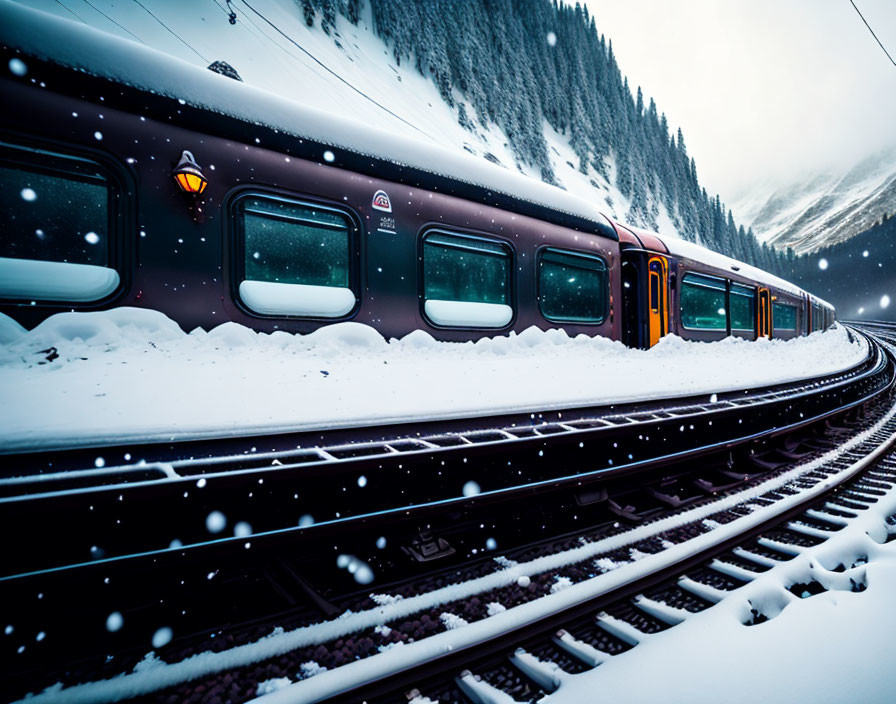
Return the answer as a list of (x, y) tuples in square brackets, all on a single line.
[(381, 201)]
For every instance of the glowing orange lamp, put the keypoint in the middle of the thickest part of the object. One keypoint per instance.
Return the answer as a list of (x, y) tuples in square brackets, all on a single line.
[(188, 174)]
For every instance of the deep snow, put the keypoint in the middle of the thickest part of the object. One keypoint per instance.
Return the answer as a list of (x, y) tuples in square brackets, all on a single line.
[(129, 374)]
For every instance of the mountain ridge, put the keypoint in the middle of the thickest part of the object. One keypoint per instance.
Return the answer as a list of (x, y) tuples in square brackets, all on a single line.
[(826, 210)]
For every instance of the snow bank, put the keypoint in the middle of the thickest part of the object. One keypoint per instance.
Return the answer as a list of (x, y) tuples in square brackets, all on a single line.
[(10, 330), (128, 374)]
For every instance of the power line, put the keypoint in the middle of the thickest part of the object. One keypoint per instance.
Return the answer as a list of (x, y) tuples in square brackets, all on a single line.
[(65, 7), (171, 31), (331, 71), (259, 34), (872, 33), (113, 21)]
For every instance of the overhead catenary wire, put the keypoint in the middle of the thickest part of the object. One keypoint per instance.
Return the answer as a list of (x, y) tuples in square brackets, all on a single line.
[(172, 32), (332, 72), (113, 21), (247, 23), (70, 10), (872, 32)]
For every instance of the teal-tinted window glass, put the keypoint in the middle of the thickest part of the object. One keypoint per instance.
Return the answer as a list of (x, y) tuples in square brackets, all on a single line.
[(54, 207), (572, 287), (294, 243), (459, 268), (783, 316), (742, 304), (703, 302)]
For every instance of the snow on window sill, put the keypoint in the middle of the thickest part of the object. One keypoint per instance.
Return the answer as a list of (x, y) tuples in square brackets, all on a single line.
[(36, 280), (468, 314), (272, 298)]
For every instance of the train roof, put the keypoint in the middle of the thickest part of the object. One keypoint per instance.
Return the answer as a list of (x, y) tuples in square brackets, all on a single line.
[(691, 250), (72, 45)]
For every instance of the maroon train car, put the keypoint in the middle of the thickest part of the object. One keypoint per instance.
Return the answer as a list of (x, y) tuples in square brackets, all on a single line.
[(130, 178)]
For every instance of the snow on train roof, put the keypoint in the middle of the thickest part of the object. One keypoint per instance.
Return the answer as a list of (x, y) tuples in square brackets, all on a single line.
[(73, 45), (691, 250)]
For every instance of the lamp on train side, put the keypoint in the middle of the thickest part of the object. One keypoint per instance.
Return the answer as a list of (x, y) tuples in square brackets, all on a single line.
[(188, 174)]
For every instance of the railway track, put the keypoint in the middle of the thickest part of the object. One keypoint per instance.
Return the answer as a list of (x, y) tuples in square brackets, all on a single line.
[(301, 576), (527, 662)]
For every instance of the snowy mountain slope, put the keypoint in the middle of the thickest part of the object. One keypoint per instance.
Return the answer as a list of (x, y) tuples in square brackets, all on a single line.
[(825, 210), (350, 73)]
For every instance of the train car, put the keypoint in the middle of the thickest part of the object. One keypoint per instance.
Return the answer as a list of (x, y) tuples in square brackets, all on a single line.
[(672, 285), (130, 178)]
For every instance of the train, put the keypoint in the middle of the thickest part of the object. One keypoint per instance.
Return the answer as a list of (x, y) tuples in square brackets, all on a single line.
[(131, 178)]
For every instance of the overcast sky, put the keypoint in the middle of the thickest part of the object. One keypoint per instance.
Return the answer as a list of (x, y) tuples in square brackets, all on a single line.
[(761, 88)]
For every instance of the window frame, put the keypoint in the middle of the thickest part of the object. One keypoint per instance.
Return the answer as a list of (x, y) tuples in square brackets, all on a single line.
[(794, 309), (725, 329), (121, 206), (548, 249), (430, 230), (237, 248), (753, 295)]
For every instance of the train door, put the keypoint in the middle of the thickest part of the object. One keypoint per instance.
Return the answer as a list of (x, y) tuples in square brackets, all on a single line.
[(658, 299), (632, 332), (765, 313)]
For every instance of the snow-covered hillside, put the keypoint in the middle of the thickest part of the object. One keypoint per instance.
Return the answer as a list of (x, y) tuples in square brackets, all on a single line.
[(350, 72), (818, 212)]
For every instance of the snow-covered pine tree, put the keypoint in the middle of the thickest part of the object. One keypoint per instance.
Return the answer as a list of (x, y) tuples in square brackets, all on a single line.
[(498, 56)]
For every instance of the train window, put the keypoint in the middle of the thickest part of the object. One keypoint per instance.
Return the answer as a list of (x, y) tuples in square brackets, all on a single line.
[(466, 281), (59, 214), (703, 302), (783, 316), (295, 257), (742, 305), (572, 286)]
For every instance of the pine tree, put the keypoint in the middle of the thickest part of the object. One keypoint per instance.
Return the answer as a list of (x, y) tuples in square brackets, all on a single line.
[(495, 54), (308, 11)]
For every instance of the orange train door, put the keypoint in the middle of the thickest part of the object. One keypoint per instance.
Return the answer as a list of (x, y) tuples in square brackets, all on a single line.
[(765, 314), (658, 299)]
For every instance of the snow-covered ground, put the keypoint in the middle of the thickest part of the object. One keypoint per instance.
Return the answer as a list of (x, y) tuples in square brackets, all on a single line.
[(829, 648), (129, 374)]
